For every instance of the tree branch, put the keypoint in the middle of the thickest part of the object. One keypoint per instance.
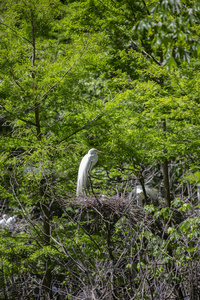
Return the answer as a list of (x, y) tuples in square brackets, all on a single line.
[(83, 127), (17, 83), (21, 119), (148, 12), (55, 84), (100, 115), (23, 38), (143, 51)]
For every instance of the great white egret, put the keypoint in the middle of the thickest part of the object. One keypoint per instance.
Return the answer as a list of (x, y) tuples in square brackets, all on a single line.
[(139, 194), (86, 165), (3, 221), (198, 198), (11, 220), (198, 192)]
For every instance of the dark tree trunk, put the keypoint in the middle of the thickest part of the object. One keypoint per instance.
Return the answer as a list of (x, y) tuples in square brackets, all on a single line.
[(165, 171), (47, 281)]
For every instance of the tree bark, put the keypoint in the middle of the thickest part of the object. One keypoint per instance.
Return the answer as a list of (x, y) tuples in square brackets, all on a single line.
[(47, 281), (166, 182), (165, 171)]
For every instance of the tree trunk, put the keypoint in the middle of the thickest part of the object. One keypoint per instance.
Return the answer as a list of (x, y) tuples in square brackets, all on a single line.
[(144, 190), (166, 182), (47, 281), (165, 171)]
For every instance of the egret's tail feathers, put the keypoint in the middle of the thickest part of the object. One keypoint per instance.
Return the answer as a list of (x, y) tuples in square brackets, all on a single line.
[(81, 185)]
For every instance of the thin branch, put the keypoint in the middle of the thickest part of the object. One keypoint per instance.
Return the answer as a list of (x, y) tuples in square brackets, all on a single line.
[(143, 51), (55, 84), (59, 243), (21, 119), (33, 41), (148, 12), (17, 83), (86, 232), (100, 115), (23, 38), (83, 127)]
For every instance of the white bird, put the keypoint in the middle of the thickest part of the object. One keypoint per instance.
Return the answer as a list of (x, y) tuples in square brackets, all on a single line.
[(198, 192), (11, 220), (54, 289), (198, 198), (139, 194), (3, 221), (55, 293), (86, 165)]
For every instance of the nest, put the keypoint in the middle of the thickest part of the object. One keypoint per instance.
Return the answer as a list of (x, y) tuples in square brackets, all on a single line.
[(111, 208)]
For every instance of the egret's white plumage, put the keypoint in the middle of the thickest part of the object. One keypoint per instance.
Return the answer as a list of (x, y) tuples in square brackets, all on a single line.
[(198, 198), (198, 192), (11, 220), (139, 194), (3, 221), (86, 165)]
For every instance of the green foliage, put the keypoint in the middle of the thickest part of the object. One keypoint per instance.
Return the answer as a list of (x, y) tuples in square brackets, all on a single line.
[(82, 74)]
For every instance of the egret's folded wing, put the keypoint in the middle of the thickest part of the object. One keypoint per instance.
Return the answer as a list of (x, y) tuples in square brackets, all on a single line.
[(82, 176)]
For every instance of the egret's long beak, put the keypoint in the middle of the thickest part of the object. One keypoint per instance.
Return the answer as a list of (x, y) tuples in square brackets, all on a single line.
[(101, 152)]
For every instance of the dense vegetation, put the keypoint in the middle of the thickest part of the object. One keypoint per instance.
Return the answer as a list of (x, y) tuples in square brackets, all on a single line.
[(122, 77)]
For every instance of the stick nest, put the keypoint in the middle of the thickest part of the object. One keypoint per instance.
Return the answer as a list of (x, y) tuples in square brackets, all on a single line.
[(111, 207)]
